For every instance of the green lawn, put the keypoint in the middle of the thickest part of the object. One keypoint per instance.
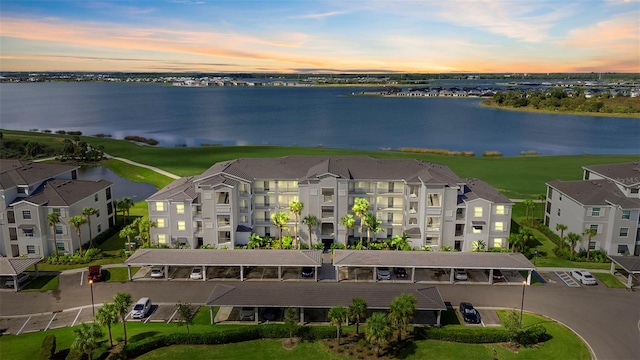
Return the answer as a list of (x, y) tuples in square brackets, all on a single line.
[(119, 274), (42, 283), (609, 280)]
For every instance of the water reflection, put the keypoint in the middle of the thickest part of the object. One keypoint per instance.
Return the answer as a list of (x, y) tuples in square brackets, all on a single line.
[(121, 187)]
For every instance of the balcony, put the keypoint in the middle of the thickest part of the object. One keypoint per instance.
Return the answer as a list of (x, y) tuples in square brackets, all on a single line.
[(288, 190), (361, 190)]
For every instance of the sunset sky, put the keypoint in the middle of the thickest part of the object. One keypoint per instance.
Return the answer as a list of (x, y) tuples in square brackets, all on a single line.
[(321, 36)]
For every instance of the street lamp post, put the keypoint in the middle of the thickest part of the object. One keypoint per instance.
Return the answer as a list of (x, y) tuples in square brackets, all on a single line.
[(524, 285), (535, 256), (93, 307)]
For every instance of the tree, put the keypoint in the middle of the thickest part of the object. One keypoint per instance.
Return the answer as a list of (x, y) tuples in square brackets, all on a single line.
[(349, 222), (311, 221), (338, 315), (561, 228), (144, 226), (280, 220), (590, 233), (186, 313), (401, 242), (357, 311), (478, 246), (296, 209), (373, 226), (573, 240), (124, 206), (122, 301), (515, 240), (107, 315), (291, 321), (542, 198), (360, 208), (513, 325), (401, 312), (87, 338), (88, 212), (127, 232), (529, 205), (379, 330), (53, 220), (77, 222), (526, 235)]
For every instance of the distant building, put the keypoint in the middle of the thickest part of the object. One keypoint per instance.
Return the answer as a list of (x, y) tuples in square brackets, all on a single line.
[(30, 191), (606, 200), (233, 199)]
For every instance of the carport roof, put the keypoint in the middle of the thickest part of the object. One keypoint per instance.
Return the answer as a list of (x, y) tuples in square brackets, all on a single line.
[(628, 263), (209, 257), (10, 266), (320, 295), (432, 259)]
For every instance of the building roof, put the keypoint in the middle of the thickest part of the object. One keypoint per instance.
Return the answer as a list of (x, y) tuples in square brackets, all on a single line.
[(624, 173), (19, 172), (630, 264), (595, 192), (432, 259), (10, 266), (210, 257), (180, 189), (482, 190), (65, 192), (321, 295)]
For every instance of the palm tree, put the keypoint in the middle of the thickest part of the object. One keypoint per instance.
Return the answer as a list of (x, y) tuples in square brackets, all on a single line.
[(125, 206), (87, 338), (561, 228), (360, 208), (589, 233), (311, 221), (528, 203), (542, 198), (379, 330), (280, 220), (338, 315), (127, 232), (88, 212), (349, 222), (527, 235), (373, 226), (144, 226), (357, 311), (107, 315), (77, 222), (515, 240), (296, 209), (53, 220), (478, 246), (401, 242), (401, 312), (122, 301), (573, 240)]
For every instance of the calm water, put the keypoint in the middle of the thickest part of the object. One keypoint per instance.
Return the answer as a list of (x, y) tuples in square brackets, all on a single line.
[(121, 187), (305, 117)]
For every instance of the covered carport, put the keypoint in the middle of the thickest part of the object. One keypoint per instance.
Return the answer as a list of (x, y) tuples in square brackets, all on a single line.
[(413, 260), (321, 296), (14, 266), (243, 259), (630, 264)]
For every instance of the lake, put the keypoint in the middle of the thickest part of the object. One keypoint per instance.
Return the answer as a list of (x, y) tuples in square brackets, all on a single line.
[(121, 187), (305, 116)]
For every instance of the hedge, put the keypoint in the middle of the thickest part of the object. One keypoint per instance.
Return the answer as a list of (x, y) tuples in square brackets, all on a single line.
[(48, 349), (462, 335)]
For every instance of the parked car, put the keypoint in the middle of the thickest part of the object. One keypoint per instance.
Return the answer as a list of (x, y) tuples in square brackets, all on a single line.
[(497, 275), (584, 277), (383, 273), (196, 273), (400, 273), (461, 274), (141, 308), (95, 273), (307, 272), (157, 272), (22, 279), (270, 314), (247, 313), (469, 313)]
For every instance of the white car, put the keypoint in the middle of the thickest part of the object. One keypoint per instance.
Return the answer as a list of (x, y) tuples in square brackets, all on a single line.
[(461, 274), (141, 308), (383, 273), (157, 272), (196, 273), (584, 277)]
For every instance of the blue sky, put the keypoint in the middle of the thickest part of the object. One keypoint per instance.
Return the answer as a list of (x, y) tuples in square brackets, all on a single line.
[(321, 36)]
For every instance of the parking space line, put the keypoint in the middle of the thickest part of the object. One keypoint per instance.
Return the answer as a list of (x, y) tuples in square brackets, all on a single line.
[(23, 325), (50, 321), (81, 277), (76, 319), (172, 315)]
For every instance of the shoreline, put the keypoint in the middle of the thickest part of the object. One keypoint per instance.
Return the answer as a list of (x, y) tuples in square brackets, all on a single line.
[(539, 111)]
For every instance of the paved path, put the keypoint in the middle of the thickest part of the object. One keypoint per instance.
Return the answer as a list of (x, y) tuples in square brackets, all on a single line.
[(158, 170)]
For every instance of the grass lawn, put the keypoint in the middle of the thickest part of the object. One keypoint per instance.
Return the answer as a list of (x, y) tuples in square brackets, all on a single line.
[(609, 280), (137, 174), (119, 274), (42, 283)]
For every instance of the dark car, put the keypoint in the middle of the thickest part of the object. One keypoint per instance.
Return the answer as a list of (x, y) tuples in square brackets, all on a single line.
[(95, 273), (400, 273), (469, 313), (497, 275), (307, 272)]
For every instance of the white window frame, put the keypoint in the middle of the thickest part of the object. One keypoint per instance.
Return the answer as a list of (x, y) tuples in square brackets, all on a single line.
[(160, 206), (161, 223), (179, 208), (626, 214), (626, 232), (500, 210), (181, 225), (595, 211), (498, 226), (477, 211)]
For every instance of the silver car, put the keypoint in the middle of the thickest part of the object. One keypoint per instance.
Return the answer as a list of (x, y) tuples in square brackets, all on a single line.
[(383, 273)]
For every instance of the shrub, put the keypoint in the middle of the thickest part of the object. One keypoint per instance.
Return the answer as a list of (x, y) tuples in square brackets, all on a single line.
[(463, 335), (75, 355), (491, 153), (48, 349), (532, 335)]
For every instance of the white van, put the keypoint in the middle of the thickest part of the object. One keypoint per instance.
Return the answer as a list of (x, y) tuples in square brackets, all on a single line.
[(22, 279), (141, 308)]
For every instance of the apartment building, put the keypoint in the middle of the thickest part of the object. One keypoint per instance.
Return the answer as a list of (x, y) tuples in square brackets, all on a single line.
[(224, 205), (607, 200), (30, 191)]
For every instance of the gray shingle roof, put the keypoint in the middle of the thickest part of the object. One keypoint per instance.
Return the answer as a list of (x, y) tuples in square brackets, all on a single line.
[(625, 173), (19, 172), (480, 189), (10, 266), (208, 257), (65, 192), (629, 263), (180, 189), (595, 192)]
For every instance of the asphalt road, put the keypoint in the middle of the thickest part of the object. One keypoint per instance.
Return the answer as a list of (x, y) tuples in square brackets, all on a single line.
[(607, 319)]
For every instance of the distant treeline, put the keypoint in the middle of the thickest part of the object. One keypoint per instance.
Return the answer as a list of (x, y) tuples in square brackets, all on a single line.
[(559, 99)]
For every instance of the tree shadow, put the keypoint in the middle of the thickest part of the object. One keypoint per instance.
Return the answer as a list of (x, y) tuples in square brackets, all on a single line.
[(142, 336)]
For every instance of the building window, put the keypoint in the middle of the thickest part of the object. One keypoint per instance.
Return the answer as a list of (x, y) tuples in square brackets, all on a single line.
[(477, 229), (477, 211), (97, 213), (159, 206), (26, 214), (413, 221), (57, 211), (180, 208), (60, 246), (560, 197), (28, 232), (162, 239), (433, 223), (549, 193), (624, 232), (497, 243), (108, 193), (244, 219), (499, 209), (626, 214), (594, 227), (182, 225), (222, 197), (592, 245), (558, 212), (31, 249), (635, 191), (433, 200), (95, 197), (595, 211), (99, 228), (160, 222), (498, 226), (59, 229)]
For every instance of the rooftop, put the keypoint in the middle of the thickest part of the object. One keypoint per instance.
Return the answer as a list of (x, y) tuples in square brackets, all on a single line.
[(210, 257), (624, 173), (595, 192)]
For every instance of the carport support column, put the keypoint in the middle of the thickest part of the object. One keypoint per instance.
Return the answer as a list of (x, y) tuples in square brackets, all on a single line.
[(438, 318), (529, 278), (211, 314), (375, 271), (37, 271), (166, 272), (490, 276), (204, 273), (129, 271), (16, 286), (302, 315), (413, 274), (280, 273), (613, 268), (241, 273), (337, 273), (630, 280), (255, 315), (315, 273), (451, 275)]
